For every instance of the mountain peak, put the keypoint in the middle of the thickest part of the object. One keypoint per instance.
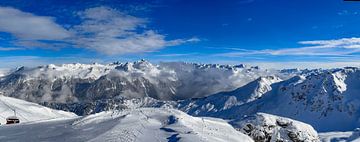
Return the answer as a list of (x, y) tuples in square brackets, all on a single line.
[(271, 79)]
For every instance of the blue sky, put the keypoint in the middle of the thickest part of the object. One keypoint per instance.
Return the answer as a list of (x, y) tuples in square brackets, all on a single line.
[(273, 34)]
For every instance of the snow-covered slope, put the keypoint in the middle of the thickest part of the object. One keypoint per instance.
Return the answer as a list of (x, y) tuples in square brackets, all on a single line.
[(27, 111), (147, 124), (355, 136), (219, 102), (266, 127), (336, 136)]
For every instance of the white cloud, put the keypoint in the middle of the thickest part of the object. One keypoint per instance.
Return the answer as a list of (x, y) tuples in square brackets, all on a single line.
[(337, 43), (102, 29), (12, 62), (4, 71), (107, 22), (27, 26), (176, 55), (112, 32), (293, 64), (338, 47), (306, 65), (347, 13), (10, 48)]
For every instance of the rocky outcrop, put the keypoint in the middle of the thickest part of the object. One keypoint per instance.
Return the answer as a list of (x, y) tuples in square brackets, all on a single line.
[(263, 127)]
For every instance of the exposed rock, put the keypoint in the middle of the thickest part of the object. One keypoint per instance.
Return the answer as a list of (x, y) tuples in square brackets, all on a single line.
[(270, 128)]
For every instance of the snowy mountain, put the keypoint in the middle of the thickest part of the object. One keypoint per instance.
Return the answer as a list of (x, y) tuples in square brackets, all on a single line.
[(217, 103), (326, 99), (207, 106), (28, 112), (146, 124), (321, 98), (86, 83)]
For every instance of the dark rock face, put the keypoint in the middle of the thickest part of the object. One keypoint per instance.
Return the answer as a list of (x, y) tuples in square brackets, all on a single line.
[(43, 90), (86, 108)]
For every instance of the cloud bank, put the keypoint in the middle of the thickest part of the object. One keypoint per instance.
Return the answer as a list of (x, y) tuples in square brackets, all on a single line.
[(337, 47), (27, 26), (101, 29)]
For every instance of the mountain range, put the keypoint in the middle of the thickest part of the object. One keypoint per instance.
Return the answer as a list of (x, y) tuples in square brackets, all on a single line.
[(326, 99)]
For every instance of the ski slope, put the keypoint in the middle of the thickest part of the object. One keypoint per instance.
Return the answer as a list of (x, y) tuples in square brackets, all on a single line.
[(27, 111), (145, 124)]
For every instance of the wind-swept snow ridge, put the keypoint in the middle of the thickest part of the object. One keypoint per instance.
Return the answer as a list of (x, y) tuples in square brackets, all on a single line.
[(139, 125), (27, 111)]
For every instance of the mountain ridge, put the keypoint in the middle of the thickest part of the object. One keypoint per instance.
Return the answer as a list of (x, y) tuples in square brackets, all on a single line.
[(88, 82)]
